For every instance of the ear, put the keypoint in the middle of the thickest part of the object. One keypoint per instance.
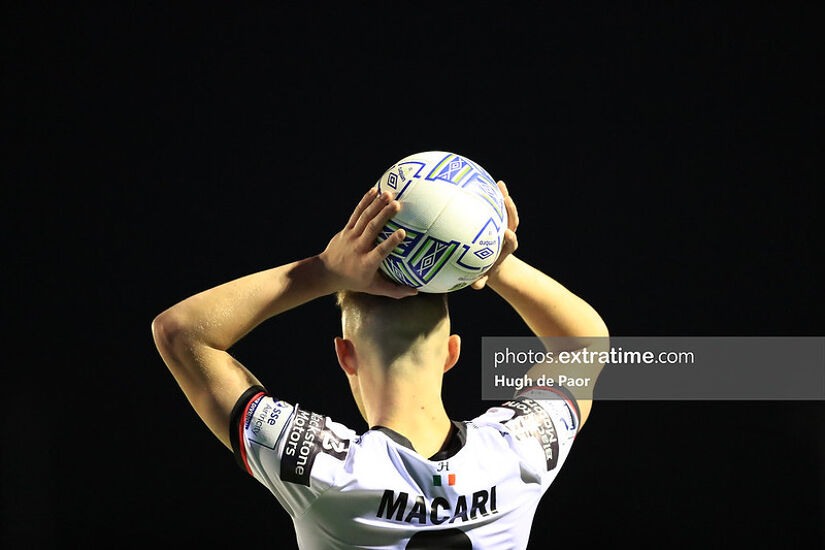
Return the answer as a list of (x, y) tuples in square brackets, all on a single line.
[(346, 355), (453, 351)]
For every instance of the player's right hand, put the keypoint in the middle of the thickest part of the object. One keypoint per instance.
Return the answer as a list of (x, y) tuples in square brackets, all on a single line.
[(510, 243), (352, 258)]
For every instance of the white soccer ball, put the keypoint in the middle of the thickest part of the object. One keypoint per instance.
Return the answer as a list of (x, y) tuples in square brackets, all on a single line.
[(453, 214)]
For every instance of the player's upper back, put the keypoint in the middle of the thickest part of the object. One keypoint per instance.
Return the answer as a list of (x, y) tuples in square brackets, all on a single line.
[(375, 491)]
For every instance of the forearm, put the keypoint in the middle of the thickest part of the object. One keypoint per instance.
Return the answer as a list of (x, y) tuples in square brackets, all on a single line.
[(221, 316), (545, 305)]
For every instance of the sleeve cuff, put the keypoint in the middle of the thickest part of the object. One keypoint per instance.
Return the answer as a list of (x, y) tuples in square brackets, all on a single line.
[(237, 420)]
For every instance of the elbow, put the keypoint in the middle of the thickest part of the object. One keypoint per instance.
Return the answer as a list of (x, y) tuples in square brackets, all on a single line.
[(600, 328), (592, 326), (167, 332)]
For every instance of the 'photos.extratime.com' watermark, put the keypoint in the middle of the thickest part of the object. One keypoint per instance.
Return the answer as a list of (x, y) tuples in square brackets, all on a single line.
[(658, 367), (615, 356)]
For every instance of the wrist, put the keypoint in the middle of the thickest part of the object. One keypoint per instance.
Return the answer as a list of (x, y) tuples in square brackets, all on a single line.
[(328, 282), (497, 276)]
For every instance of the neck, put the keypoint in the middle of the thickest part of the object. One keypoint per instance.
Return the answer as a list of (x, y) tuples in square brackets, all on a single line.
[(414, 411)]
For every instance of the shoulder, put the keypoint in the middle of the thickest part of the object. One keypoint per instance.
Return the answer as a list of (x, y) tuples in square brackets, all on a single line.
[(534, 405), (537, 424), (300, 446)]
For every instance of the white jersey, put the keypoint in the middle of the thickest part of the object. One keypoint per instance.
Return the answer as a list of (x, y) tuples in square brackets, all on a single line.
[(373, 490)]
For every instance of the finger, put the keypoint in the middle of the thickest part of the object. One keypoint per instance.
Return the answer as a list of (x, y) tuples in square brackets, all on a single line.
[(510, 205), (479, 283), (376, 224), (385, 247), (512, 213), (377, 204), (365, 201), (510, 243)]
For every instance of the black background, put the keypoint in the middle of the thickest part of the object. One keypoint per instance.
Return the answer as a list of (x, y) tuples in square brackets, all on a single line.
[(664, 159)]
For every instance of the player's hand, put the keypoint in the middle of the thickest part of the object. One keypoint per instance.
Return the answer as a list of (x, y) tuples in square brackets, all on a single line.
[(510, 243), (352, 258)]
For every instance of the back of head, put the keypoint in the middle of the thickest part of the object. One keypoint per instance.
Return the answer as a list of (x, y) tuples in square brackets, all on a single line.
[(391, 327)]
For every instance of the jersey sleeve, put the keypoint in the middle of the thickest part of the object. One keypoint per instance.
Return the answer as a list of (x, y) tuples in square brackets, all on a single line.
[(292, 451), (541, 423)]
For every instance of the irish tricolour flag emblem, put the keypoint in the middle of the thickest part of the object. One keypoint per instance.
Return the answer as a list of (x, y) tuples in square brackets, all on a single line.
[(437, 479)]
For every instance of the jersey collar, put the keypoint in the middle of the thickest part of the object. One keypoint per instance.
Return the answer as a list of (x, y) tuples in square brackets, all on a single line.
[(454, 442)]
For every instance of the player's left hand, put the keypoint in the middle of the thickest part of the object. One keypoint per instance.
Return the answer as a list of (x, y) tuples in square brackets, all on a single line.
[(352, 258), (510, 243)]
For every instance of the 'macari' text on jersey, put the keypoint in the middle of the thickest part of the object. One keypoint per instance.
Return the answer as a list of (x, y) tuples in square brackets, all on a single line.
[(438, 510)]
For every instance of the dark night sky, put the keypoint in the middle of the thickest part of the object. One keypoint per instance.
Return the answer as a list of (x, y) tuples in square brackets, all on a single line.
[(665, 164)]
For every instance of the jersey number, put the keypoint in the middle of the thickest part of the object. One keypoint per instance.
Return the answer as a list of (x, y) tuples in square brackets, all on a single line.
[(445, 539), (332, 444)]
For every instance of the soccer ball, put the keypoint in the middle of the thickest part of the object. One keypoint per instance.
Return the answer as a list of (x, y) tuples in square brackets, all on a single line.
[(454, 218)]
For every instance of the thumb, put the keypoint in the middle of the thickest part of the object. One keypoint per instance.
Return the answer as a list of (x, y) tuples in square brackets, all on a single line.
[(479, 283)]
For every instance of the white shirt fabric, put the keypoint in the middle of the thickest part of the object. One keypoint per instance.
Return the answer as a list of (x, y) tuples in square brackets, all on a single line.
[(345, 490)]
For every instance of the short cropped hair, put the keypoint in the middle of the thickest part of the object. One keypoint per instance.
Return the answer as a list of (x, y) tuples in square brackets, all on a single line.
[(393, 325)]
